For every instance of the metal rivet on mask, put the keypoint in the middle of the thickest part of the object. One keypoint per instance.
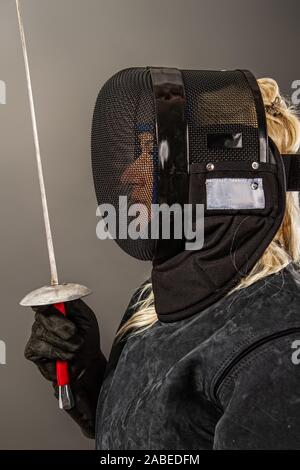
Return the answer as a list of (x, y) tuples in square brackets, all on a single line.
[(255, 165), (254, 185), (210, 167)]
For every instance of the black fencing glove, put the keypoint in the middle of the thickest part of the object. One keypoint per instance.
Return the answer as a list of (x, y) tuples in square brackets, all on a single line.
[(76, 339)]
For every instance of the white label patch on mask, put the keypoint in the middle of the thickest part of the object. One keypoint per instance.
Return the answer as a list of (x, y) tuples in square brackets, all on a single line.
[(235, 193)]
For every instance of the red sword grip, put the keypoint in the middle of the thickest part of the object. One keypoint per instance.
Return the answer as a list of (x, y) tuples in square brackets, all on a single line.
[(62, 375)]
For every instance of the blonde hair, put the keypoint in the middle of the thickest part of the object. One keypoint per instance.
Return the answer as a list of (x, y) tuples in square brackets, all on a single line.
[(284, 128)]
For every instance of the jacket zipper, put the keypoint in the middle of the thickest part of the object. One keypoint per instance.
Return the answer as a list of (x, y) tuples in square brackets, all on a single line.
[(248, 350)]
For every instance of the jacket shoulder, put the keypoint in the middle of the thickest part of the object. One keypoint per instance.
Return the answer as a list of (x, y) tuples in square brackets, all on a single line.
[(271, 304)]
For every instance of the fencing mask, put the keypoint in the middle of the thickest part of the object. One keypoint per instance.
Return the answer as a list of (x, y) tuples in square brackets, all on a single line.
[(167, 142)]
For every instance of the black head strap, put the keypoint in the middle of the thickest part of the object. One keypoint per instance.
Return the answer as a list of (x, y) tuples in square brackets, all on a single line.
[(171, 135), (292, 171)]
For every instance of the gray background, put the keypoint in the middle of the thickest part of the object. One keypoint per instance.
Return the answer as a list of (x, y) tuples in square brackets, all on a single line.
[(74, 46)]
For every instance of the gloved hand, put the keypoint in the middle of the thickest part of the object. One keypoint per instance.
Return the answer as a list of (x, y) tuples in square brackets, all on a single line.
[(76, 339)]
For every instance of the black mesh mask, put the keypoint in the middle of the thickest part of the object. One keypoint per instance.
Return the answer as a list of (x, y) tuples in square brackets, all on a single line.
[(161, 135)]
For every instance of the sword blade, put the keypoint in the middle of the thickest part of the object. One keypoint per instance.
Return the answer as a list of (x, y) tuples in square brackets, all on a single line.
[(53, 268)]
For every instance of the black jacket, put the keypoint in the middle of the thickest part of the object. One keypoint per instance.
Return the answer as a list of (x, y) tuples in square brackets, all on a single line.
[(226, 378)]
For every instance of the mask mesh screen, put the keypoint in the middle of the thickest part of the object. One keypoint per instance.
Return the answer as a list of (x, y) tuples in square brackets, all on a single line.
[(220, 102), (124, 151)]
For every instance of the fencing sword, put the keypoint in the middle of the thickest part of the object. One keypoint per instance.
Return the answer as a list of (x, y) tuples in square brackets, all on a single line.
[(55, 294)]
